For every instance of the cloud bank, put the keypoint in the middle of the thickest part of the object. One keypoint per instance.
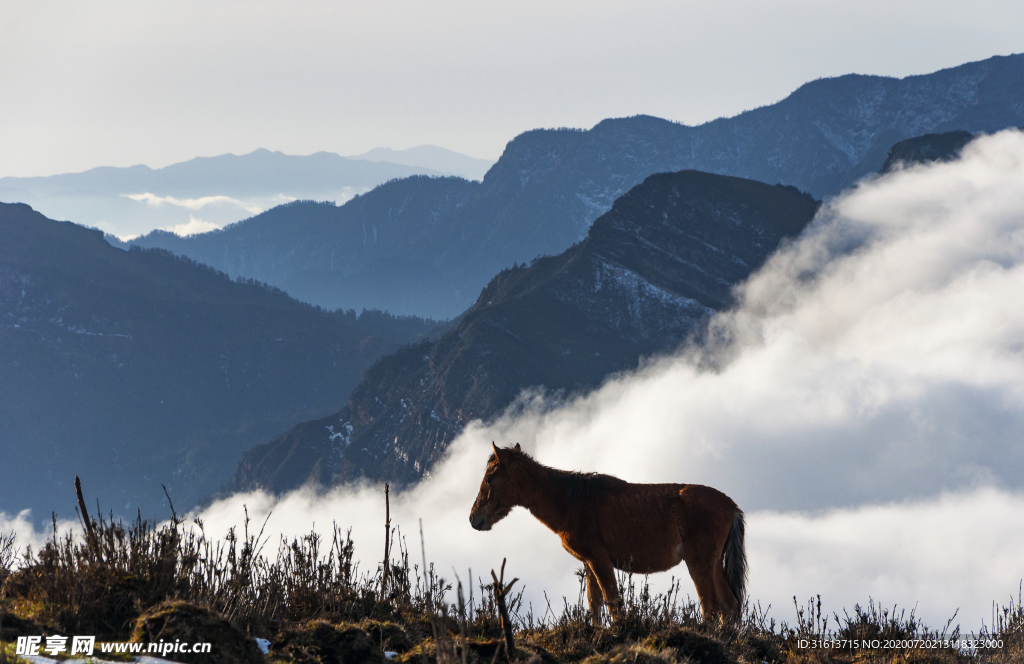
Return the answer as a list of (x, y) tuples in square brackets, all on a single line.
[(191, 203), (863, 403), (222, 208)]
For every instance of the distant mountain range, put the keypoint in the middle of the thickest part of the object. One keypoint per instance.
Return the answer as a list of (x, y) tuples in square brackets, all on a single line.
[(648, 273), (428, 247), (223, 189), (433, 157), (137, 368)]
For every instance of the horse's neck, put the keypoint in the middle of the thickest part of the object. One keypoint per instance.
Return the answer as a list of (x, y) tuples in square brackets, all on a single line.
[(543, 496)]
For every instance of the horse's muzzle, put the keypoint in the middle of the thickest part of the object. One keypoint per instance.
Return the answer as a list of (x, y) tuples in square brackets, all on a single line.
[(478, 522)]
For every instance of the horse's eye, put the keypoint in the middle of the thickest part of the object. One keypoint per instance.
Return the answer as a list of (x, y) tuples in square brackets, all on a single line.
[(488, 478)]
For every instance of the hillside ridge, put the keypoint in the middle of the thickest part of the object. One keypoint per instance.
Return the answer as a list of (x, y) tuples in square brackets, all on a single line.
[(649, 272), (549, 185), (139, 368)]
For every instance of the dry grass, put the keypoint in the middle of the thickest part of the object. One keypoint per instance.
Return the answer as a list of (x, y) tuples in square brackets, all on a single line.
[(311, 600), (7, 554)]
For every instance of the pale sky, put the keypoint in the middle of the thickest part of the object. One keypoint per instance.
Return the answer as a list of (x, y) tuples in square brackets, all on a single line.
[(125, 82)]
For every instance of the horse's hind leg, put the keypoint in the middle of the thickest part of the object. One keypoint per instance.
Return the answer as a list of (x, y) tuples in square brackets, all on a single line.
[(727, 602), (703, 574)]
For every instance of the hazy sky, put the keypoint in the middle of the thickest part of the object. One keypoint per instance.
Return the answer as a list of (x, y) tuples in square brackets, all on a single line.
[(120, 83)]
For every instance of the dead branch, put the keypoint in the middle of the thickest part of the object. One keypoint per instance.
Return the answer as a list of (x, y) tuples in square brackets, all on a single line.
[(387, 544), (85, 513), (500, 592)]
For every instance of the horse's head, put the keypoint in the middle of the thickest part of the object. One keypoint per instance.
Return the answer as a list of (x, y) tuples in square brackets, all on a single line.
[(497, 490)]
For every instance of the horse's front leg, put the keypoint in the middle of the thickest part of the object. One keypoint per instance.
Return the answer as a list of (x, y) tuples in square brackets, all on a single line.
[(594, 596), (604, 571)]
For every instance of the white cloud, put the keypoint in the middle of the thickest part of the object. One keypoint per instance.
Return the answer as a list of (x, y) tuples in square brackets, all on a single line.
[(195, 203), (193, 227), (281, 199), (958, 551)]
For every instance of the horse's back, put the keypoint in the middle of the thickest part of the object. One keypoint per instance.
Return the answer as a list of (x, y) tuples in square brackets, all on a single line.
[(680, 498), (639, 524)]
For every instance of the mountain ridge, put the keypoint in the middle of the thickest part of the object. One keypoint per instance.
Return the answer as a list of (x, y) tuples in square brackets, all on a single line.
[(232, 186), (549, 185), (139, 368), (926, 149)]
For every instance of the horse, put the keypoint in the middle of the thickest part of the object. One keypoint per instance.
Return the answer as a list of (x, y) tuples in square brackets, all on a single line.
[(607, 524)]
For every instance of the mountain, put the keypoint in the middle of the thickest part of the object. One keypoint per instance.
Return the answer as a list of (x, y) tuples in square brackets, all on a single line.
[(384, 249), (926, 149), (217, 190), (137, 368), (550, 185), (433, 157), (649, 271)]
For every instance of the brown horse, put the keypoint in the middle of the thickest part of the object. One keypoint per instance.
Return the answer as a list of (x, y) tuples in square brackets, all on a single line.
[(607, 524)]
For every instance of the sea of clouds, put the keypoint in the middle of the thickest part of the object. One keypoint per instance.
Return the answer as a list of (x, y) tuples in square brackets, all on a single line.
[(863, 403)]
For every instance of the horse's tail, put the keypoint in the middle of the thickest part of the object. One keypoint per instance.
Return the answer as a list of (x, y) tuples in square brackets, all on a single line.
[(734, 557)]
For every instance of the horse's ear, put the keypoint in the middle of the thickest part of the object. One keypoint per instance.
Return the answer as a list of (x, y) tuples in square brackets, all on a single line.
[(518, 449), (497, 452)]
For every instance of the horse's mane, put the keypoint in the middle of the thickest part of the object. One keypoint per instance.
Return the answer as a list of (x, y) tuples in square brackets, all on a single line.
[(575, 484), (581, 485)]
